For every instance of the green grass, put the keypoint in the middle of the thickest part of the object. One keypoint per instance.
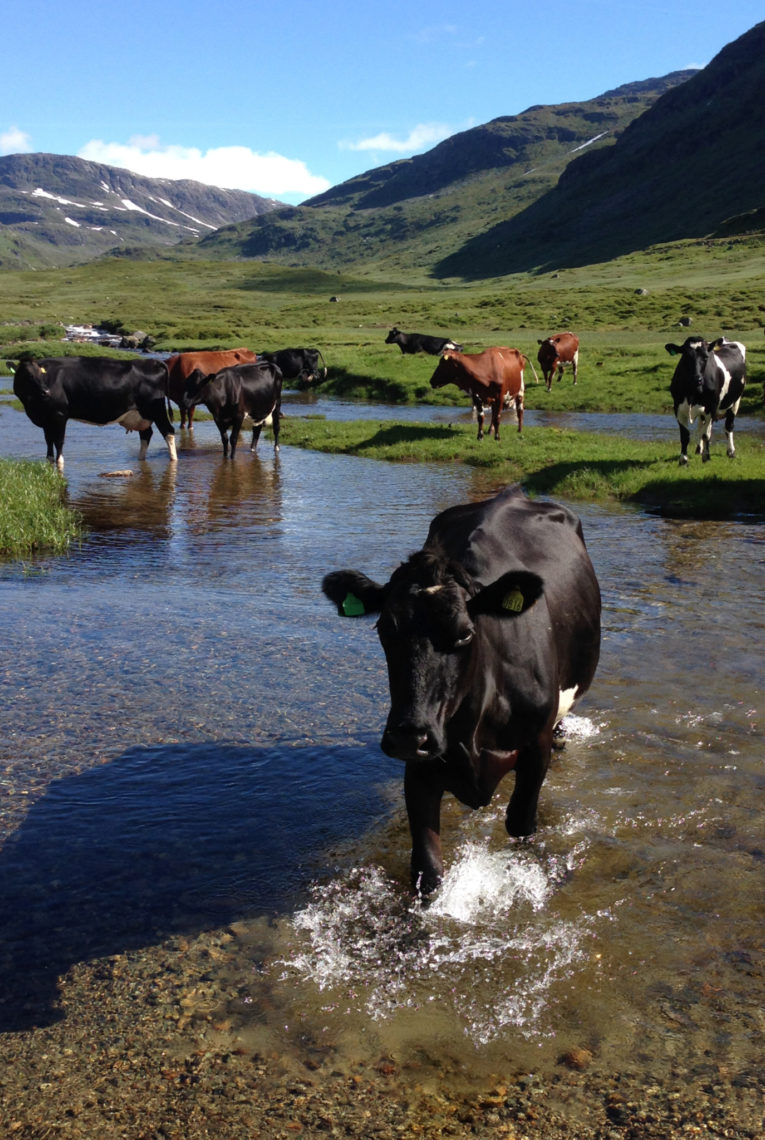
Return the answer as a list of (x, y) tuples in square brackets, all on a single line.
[(568, 464), (33, 512)]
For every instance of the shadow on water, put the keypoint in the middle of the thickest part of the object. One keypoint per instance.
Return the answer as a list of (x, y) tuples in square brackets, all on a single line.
[(163, 841)]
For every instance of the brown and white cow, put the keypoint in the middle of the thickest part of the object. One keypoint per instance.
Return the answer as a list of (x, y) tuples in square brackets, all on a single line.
[(555, 353), (181, 365), (488, 377)]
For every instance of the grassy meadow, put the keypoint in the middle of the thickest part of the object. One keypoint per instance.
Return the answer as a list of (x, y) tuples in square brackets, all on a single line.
[(623, 311)]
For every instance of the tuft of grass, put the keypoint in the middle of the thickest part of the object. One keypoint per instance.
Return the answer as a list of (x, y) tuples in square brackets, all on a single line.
[(34, 515)]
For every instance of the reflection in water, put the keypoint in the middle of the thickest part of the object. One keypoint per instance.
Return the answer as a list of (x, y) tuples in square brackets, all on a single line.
[(184, 725)]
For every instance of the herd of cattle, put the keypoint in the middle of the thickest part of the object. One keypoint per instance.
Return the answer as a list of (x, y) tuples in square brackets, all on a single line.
[(708, 383), (491, 632)]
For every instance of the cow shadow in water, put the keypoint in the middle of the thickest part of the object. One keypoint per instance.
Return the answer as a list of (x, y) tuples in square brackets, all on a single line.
[(164, 841)]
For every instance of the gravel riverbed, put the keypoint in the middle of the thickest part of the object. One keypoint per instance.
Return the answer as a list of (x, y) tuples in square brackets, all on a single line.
[(144, 1049)]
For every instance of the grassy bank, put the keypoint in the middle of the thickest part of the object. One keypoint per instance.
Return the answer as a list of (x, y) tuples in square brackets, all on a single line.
[(623, 311), (568, 464), (33, 513)]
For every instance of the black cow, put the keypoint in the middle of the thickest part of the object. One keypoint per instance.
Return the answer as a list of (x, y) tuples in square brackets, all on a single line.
[(491, 633), (253, 390), (298, 364), (97, 390), (708, 382), (421, 342)]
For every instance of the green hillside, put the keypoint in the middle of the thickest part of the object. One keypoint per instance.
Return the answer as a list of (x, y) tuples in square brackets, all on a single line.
[(415, 213)]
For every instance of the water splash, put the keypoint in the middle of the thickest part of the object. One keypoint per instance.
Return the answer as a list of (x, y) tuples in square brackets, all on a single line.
[(487, 951)]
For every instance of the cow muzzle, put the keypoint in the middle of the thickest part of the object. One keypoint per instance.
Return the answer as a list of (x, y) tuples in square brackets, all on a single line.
[(409, 742)]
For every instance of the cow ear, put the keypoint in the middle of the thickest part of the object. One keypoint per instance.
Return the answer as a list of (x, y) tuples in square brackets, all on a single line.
[(353, 593), (511, 595), (673, 349)]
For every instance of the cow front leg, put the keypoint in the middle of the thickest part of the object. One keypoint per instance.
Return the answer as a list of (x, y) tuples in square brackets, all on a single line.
[(54, 440), (685, 438), (705, 435), (423, 793), (531, 769)]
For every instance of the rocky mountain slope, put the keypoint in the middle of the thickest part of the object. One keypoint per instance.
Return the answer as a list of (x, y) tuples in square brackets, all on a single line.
[(692, 165), (58, 210), (418, 211)]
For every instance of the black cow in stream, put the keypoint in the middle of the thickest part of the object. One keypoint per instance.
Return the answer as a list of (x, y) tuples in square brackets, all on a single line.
[(421, 342), (298, 364), (243, 390), (708, 382), (491, 633), (97, 390)]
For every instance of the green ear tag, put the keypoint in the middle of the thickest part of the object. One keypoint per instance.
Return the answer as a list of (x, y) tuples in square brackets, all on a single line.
[(513, 601), (353, 606)]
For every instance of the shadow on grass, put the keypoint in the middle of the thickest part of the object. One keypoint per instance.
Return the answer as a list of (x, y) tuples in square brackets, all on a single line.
[(713, 499), (397, 434)]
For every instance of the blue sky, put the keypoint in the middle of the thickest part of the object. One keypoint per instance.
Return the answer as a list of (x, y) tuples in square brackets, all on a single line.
[(288, 97)]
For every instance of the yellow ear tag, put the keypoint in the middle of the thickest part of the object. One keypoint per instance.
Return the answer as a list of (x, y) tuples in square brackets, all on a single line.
[(353, 606), (513, 601)]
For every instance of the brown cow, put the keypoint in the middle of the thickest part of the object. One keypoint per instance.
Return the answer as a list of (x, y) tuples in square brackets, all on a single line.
[(182, 364), (488, 377), (555, 353)]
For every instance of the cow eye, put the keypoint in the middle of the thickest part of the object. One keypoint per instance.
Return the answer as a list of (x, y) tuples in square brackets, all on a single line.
[(464, 640)]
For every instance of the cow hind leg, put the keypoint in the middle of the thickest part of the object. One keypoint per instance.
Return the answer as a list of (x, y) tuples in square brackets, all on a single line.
[(145, 435), (478, 405), (235, 430), (730, 419)]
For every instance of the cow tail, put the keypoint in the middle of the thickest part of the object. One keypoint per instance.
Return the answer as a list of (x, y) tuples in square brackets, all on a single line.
[(324, 377), (530, 362), (167, 391)]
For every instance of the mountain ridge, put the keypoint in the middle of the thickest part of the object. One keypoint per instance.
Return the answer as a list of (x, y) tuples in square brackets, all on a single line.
[(62, 210)]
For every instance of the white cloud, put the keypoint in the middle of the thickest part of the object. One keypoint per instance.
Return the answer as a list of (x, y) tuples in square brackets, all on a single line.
[(419, 138), (232, 167), (14, 141)]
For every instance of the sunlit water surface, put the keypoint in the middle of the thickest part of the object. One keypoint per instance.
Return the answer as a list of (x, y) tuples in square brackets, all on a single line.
[(189, 740)]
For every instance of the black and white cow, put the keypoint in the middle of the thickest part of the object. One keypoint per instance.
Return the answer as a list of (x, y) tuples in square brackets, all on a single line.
[(708, 382), (421, 342), (300, 364), (97, 390), (491, 633), (243, 390)]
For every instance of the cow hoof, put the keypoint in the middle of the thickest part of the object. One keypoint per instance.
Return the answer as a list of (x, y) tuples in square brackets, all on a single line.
[(731, 455), (683, 460)]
